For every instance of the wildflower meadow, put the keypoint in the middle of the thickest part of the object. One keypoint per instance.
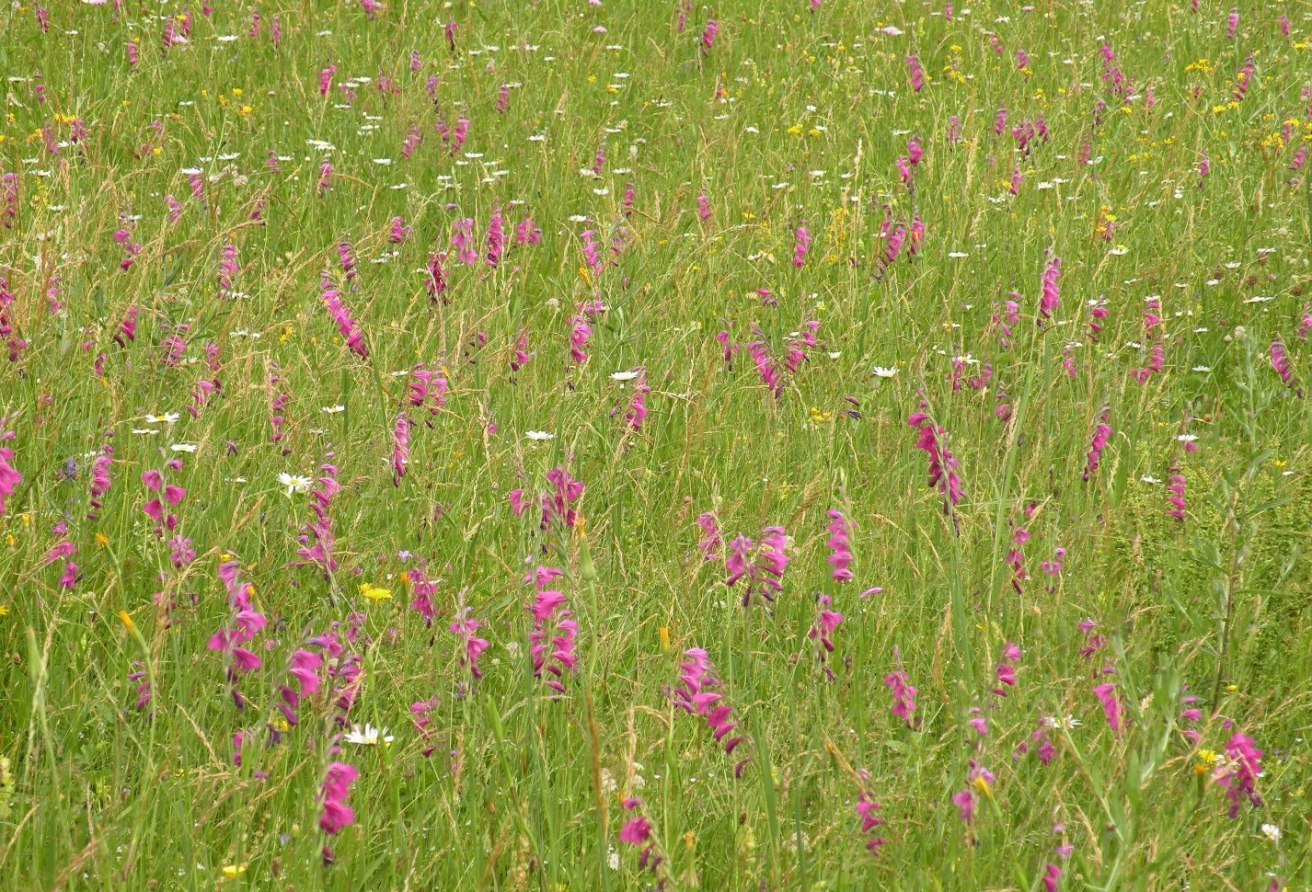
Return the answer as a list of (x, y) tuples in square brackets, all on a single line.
[(653, 444)]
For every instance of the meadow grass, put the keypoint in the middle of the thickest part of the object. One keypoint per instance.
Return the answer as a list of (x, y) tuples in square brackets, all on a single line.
[(740, 247)]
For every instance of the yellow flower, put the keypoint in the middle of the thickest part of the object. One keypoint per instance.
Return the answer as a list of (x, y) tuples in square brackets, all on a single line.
[(232, 871), (4, 611), (374, 593), (102, 540), (126, 620), (982, 784), (665, 635)]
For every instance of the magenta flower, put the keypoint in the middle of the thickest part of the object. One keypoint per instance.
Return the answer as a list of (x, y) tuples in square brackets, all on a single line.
[(826, 623), (551, 642), (347, 259), (346, 323), (1097, 315), (1051, 293), (904, 695), (464, 626), (435, 280), (245, 623), (696, 694), (1240, 771), (637, 831), (708, 35), (1101, 434), (141, 686), (840, 546), (762, 567), (916, 72), (942, 464), (100, 480), (801, 244), (1175, 492), (462, 241), (1006, 669), (1016, 560), (866, 808), (336, 814), (9, 477), (303, 669), (1112, 707), (400, 447), (1280, 362), (316, 537), (496, 238), (636, 413), (427, 390), (580, 331), (227, 267), (711, 541), (423, 590), (559, 504)]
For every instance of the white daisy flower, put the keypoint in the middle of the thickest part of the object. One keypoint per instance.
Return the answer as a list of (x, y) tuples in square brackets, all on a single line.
[(294, 483), (368, 735)]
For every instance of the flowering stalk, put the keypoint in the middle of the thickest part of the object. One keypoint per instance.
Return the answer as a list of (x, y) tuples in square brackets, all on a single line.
[(552, 640), (942, 464), (763, 568), (317, 537), (826, 623), (336, 815), (697, 694), (245, 624), (840, 545), (1101, 434), (346, 323)]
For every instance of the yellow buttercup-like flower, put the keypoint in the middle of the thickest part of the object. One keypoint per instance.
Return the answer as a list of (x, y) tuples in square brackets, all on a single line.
[(375, 593)]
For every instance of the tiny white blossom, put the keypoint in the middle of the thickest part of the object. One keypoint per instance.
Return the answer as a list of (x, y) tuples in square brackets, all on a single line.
[(539, 436)]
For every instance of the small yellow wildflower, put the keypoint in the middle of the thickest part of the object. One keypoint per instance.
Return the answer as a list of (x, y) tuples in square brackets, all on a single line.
[(102, 540), (375, 593), (126, 620), (232, 871), (665, 635)]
